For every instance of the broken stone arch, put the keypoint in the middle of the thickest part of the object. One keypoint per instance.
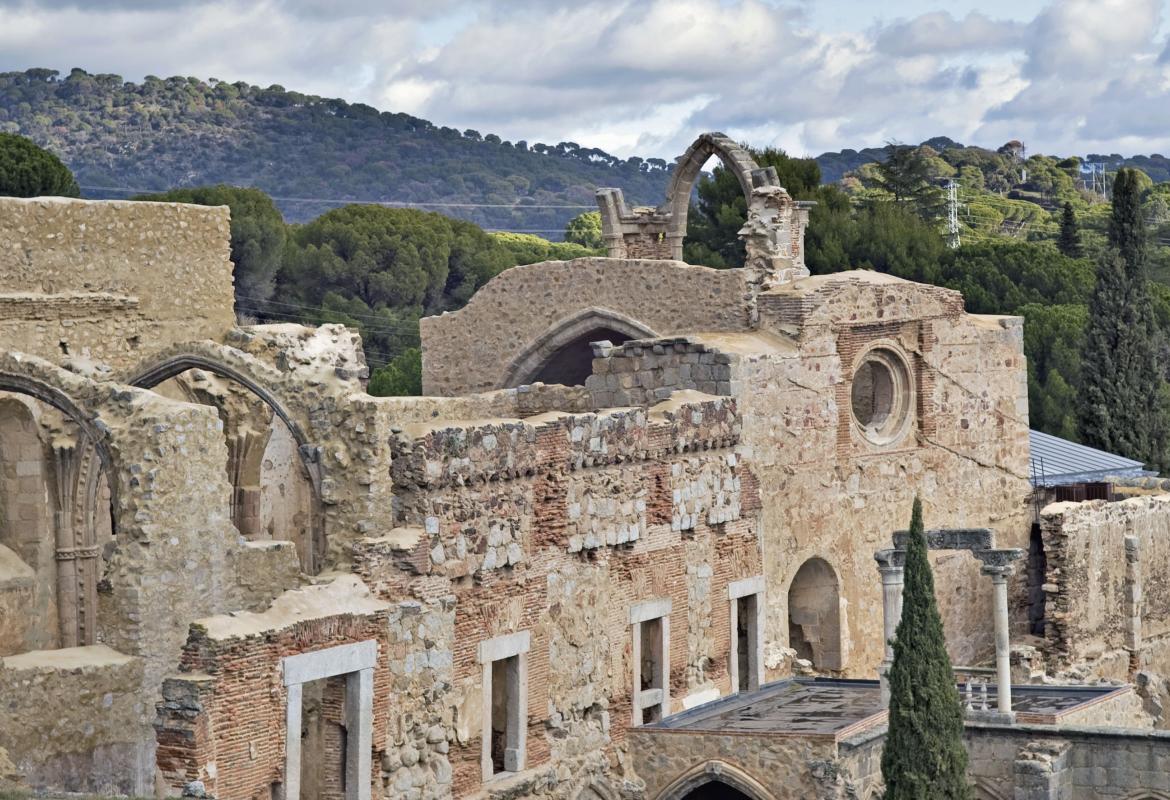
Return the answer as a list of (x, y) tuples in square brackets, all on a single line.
[(682, 181), (233, 365), (569, 333), (715, 772)]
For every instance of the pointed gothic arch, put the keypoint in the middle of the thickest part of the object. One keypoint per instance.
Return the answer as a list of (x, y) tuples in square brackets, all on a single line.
[(246, 458), (714, 774), (565, 345)]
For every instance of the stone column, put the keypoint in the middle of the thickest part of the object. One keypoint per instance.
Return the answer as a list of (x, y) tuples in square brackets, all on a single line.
[(1003, 667), (891, 565), (65, 462)]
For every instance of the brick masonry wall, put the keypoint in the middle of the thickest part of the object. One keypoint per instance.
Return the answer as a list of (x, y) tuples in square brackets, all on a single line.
[(556, 526), (222, 719)]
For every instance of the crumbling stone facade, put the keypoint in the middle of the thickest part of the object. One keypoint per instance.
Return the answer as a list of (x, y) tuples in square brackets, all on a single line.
[(635, 487)]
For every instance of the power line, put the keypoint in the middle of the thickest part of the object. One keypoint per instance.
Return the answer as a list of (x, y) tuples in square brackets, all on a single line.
[(392, 203)]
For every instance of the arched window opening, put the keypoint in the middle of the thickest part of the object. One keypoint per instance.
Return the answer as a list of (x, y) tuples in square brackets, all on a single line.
[(272, 491), (573, 362), (814, 615), (56, 525)]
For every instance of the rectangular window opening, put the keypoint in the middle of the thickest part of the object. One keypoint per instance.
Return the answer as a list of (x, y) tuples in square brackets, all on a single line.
[(323, 738), (747, 643), (651, 689), (651, 654), (506, 714)]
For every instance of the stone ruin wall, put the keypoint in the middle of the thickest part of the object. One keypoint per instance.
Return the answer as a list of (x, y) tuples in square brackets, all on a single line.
[(827, 492), (222, 717), (111, 280), (1107, 591), (1034, 762), (166, 463), (509, 318), (556, 525)]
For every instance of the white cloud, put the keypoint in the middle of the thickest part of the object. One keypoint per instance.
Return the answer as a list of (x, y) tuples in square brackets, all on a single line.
[(644, 76)]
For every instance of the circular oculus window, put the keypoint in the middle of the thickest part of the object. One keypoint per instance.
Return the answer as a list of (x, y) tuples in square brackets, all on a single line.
[(880, 397)]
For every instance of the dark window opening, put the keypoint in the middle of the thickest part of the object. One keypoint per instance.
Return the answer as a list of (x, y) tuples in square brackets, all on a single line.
[(651, 667), (746, 640), (505, 714), (1037, 569)]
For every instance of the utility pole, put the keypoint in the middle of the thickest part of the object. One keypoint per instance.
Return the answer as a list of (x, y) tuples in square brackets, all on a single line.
[(953, 212)]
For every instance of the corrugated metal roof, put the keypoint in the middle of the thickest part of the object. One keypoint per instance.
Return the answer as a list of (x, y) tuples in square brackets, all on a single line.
[(1057, 461)]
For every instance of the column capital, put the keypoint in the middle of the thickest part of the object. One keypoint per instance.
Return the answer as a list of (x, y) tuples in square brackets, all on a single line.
[(890, 559), (998, 572)]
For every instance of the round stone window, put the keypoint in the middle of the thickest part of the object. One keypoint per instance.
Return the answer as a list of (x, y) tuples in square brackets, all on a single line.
[(881, 396)]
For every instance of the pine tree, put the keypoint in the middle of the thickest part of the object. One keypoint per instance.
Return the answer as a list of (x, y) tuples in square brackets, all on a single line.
[(1122, 405), (924, 757), (1069, 242)]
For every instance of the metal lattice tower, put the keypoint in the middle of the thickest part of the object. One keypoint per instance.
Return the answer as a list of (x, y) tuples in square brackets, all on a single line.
[(953, 213)]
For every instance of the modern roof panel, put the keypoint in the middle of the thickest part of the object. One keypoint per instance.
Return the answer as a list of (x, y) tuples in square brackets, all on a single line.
[(1057, 461)]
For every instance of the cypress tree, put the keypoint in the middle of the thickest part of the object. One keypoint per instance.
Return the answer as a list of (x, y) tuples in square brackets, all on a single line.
[(1122, 399), (924, 757), (1069, 242)]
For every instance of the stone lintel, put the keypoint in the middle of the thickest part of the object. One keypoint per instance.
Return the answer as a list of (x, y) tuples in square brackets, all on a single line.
[(745, 587), (951, 539), (502, 647), (649, 609), (346, 658)]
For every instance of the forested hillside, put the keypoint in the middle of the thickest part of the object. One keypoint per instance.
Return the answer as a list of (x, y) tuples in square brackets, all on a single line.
[(309, 153)]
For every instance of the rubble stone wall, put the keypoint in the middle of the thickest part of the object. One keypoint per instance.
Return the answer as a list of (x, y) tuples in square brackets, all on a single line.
[(556, 525), (787, 767), (1036, 762), (1106, 591), (470, 350), (111, 280), (829, 492), (73, 720)]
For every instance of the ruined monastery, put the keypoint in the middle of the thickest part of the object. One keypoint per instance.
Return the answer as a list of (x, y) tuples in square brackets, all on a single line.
[(639, 540)]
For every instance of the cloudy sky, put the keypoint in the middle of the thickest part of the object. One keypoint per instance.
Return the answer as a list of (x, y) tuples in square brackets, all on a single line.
[(643, 76)]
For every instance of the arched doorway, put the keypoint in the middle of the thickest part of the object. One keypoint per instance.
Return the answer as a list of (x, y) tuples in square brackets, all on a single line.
[(56, 519), (814, 615), (562, 353), (716, 790), (272, 468)]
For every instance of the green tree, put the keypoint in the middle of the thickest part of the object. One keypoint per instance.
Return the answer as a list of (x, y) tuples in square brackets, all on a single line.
[(1054, 337), (527, 248), (907, 175), (401, 377), (585, 230), (379, 269), (30, 171), (1122, 407), (1069, 241), (924, 757), (258, 240), (713, 223)]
